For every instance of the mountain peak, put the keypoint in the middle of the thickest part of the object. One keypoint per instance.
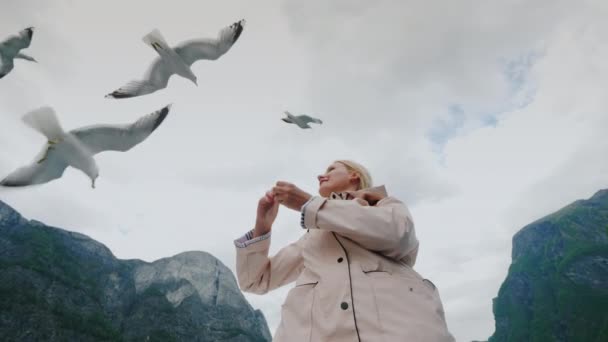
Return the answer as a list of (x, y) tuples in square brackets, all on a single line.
[(555, 289), (71, 287)]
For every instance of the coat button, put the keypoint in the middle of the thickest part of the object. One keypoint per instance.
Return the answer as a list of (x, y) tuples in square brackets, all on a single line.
[(344, 305), (340, 259)]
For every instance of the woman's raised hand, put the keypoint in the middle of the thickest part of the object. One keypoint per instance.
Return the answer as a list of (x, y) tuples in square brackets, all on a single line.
[(290, 195), (365, 196), (268, 208)]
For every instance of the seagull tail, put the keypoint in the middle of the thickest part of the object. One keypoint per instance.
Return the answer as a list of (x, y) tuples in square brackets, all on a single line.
[(44, 121), (156, 40)]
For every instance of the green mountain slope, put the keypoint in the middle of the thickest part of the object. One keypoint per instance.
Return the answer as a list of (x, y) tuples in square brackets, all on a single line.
[(57, 285), (557, 285)]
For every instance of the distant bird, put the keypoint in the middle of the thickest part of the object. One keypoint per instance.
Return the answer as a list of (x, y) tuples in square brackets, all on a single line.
[(11, 47), (178, 60), (301, 120), (77, 147)]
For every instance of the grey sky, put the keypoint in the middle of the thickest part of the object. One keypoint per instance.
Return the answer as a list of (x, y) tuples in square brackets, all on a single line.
[(481, 116)]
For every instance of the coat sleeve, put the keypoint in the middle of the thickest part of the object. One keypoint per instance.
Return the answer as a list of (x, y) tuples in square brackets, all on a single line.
[(258, 273), (386, 228)]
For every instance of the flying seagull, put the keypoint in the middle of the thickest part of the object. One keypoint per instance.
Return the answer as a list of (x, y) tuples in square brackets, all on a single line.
[(77, 147), (301, 120), (11, 49), (178, 60)]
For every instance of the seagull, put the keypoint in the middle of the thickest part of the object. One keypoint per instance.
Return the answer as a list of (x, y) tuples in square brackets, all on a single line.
[(11, 47), (301, 120), (178, 60), (77, 147)]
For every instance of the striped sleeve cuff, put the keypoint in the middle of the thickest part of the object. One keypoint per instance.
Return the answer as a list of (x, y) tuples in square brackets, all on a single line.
[(303, 211), (248, 239), (310, 214)]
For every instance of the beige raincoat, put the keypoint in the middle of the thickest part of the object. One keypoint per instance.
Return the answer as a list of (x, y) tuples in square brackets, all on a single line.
[(354, 276)]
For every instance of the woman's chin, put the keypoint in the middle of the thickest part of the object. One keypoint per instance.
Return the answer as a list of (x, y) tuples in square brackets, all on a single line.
[(324, 192)]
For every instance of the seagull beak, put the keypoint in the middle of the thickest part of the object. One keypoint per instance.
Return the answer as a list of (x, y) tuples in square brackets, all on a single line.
[(93, 184)]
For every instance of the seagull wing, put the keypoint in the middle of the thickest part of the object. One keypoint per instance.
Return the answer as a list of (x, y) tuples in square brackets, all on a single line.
[(6, 65), (211, 49), (310, 119), (37, 172), (156, 78), (99, 138), (11, 46)]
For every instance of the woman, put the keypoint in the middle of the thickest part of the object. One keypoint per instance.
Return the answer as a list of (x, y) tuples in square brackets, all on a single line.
[(352, 267)]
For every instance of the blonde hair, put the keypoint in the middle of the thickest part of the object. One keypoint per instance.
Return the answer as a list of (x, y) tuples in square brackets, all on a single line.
[(365, 179)]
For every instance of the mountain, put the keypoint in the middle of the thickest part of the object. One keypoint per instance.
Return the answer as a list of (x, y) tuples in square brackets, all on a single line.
[(557, 285), (57, 285)]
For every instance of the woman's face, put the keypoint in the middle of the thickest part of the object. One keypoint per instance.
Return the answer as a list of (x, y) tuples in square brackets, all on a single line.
[(337, 178)]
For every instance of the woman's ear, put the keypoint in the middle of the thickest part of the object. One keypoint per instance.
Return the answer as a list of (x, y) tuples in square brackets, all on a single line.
[(354, 178)]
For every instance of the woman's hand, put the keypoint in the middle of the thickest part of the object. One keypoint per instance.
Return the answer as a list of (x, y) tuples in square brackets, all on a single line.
[(290, 195), (367, 196), (268, 208)]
